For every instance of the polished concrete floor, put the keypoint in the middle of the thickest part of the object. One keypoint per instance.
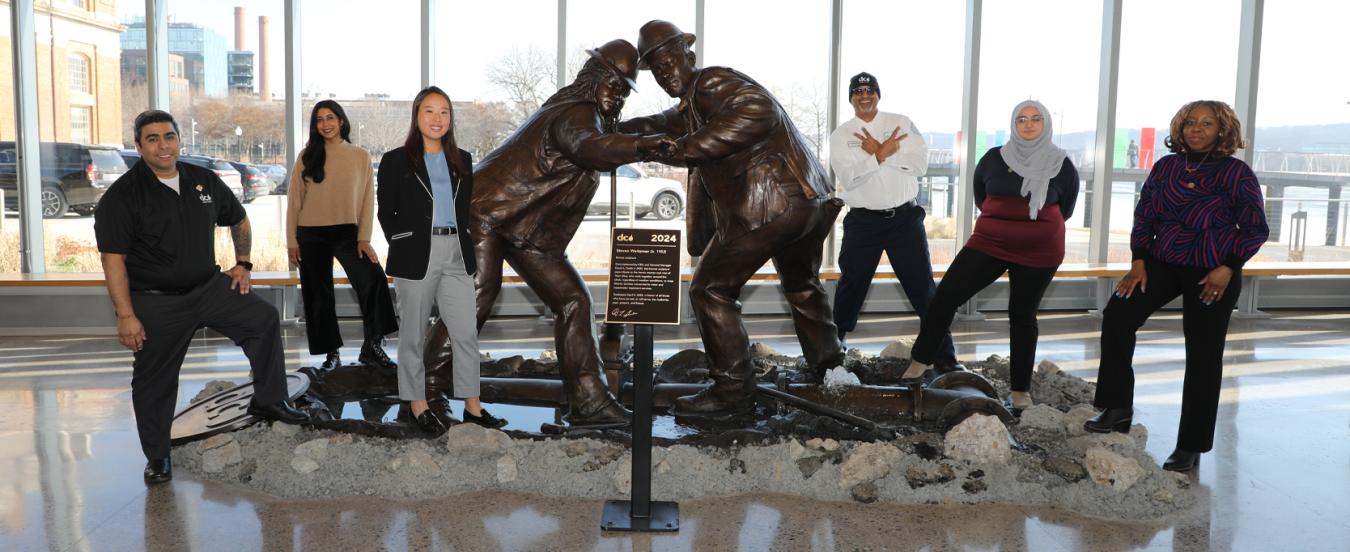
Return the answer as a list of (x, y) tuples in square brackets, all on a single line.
[(1278, 479)]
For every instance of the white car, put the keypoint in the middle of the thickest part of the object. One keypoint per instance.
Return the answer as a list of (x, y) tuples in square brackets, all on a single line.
[(661, 197)]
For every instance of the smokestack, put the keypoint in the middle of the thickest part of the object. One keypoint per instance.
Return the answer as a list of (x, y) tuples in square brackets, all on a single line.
[(264, 83), (239, 17)]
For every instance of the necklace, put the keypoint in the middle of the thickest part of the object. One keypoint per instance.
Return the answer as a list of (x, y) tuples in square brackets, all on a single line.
[(1191, 170)]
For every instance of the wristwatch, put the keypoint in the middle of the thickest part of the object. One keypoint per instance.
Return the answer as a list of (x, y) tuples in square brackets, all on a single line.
[(247, 265)]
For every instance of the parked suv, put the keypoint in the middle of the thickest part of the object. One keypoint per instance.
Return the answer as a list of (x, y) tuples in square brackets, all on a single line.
[(74, 176), (661, 197), (222, 168), (256, 183)]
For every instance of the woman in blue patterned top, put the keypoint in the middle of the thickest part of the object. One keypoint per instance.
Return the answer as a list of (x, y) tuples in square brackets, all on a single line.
[(1200, 217)]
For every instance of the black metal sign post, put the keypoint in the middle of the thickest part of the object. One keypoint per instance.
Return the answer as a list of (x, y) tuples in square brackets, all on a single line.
[(644, 263)]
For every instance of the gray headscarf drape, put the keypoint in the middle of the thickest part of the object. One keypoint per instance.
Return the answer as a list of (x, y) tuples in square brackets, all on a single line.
[(1037, 161)]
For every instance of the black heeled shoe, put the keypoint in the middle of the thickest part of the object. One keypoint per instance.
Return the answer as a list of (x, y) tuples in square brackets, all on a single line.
[(1182, 461), (158, 471), (330, 362), (1111, 419), (372, 354)]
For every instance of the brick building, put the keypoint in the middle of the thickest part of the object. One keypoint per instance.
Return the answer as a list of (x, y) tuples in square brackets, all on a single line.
[(78, 72)]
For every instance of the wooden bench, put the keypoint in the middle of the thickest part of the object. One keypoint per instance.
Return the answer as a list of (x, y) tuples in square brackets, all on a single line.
[(288, 282)]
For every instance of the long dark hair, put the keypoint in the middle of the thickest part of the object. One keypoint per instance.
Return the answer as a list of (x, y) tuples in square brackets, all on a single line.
[(583, 88), (412, 145), (314, 155)]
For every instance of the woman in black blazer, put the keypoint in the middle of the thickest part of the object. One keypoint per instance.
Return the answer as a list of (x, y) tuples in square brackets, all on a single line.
[(423, 194)]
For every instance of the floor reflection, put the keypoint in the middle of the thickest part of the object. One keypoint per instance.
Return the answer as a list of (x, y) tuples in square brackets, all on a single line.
[(70, 463)]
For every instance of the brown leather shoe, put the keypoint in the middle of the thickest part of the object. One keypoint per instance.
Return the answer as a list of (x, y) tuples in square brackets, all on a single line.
[(716, 400)]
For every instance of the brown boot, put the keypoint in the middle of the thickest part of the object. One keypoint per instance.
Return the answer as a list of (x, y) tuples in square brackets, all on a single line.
[(590, 404), (724, 398)]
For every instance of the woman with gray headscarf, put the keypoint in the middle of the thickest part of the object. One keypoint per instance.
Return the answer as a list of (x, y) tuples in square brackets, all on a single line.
[(1025, 190)]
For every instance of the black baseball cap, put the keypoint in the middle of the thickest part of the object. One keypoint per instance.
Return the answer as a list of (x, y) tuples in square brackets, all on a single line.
[(863, 79)]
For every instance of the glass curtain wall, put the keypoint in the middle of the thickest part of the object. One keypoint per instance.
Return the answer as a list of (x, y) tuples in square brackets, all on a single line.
[(1302, 147), (648, 194), (1170, 53), (1045, 50), (9, 215), (915, 50)]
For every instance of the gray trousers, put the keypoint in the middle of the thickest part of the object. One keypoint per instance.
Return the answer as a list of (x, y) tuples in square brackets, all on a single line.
[(447, 286)]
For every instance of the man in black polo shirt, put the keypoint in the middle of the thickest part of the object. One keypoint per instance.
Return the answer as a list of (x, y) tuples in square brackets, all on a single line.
[(156, 235)]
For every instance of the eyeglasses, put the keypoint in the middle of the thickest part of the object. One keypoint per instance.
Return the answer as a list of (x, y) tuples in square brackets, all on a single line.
[(1033, 118), (864, 90)]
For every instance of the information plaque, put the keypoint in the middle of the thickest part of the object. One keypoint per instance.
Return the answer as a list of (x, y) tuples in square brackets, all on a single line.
[(644, 277)]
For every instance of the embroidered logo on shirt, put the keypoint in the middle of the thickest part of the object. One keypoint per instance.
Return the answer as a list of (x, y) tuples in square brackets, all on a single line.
[(205, 198)]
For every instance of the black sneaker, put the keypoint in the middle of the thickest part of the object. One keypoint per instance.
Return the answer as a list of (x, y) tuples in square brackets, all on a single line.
[(486, 420)]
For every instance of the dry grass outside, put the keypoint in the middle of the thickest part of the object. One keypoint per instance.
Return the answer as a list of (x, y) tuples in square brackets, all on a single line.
[(68, 254)]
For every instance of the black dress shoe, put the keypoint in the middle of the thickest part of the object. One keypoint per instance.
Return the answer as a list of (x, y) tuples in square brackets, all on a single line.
[(158, 471), (1182, 461), (280, 412), (486, 420), (429, 423), (330, 362), (372, 354), (1111, 419)]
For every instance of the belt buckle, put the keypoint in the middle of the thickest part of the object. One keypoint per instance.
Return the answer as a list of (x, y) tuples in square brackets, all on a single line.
[(890, 213)]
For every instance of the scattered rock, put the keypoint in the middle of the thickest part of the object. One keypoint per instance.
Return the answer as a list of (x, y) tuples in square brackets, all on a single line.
[(762, 350), (868, 462), (662, 467), (576, 448), (1140, 435), (839, 378), (865, 492), (473, 439), (314, 448), (1047, 368), (216, 441), (1109, 469), (928, 473), (286, 430), (854, 354), (216, 459), (1118, 442), (623, 475), (303, 464), (1163, 495), (1043, 417), (341, 439), (828, 445), (602, 457), (1065, 467), (974, 486), (996, 359), (736, 465), (687, 366), (980, 439), (1073, 420), (548, 355), (898, 349), (809, 466), (506, 469)]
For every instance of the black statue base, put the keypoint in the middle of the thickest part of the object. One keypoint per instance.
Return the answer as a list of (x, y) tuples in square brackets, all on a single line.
[(618, 516)]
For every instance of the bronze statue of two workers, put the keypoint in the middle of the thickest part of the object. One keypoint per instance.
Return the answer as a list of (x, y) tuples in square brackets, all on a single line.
[(756, 194)]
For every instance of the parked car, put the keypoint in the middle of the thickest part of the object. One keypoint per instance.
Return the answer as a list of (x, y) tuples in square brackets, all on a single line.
[(222, 168), (256, 183), (277, 174), (660, 197), (74, 176), (131, 157)]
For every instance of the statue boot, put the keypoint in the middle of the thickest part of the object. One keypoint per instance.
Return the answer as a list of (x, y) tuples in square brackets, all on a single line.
[(590, 404), (731, 394)]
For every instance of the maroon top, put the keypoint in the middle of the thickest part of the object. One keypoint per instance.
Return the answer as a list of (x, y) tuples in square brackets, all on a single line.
[(1004, 231)]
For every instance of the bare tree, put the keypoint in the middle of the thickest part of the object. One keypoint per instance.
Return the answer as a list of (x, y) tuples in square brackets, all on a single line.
[(808, 110), (527, 78), (482, 126)]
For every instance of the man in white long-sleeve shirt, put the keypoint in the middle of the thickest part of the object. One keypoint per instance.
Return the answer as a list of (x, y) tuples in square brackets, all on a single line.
[(877, 159)]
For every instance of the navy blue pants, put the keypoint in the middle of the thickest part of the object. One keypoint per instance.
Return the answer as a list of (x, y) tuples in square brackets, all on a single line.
[(902, 237)]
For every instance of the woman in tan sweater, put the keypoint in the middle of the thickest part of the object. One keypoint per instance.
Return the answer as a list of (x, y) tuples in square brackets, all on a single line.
[(332, 204)]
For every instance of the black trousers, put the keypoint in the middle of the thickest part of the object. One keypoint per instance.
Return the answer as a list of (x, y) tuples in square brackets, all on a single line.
[(170, 322), (971, 272), (1205, 328), (319, 245), (905, 242)]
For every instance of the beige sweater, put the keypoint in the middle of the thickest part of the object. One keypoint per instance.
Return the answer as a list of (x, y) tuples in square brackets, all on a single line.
[(346, 195)]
